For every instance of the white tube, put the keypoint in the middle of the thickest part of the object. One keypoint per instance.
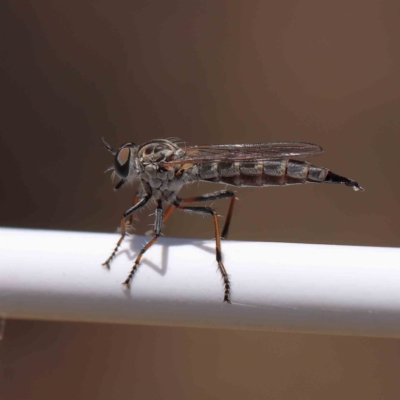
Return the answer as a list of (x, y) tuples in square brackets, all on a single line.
[(275, 286)]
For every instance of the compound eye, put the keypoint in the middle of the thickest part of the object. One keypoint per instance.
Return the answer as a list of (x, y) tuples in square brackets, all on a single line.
[(122, 161)]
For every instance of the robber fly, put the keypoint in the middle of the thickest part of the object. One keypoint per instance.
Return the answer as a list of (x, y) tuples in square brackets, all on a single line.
[(163, 166)]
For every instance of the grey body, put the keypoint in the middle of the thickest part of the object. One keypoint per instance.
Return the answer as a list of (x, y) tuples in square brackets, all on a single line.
[(162, 167), (262, 173)]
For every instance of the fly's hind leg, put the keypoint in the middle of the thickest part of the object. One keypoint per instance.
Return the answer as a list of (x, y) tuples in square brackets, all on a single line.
[(220, 194), (157, 233), (213, 213)]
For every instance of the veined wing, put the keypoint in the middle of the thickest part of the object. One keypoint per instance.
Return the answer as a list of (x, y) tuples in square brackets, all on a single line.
[(245, 152)]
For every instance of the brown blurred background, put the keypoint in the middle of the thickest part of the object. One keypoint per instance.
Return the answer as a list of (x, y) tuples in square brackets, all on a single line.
[(207, 72)]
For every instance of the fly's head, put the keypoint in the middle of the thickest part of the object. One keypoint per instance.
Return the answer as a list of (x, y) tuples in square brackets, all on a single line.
[(125, 165)]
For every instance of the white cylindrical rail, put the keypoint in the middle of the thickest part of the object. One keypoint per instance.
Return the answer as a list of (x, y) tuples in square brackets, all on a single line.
[(56, 275)]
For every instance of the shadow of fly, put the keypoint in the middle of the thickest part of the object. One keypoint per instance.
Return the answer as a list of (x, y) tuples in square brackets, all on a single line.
[(162, 167)]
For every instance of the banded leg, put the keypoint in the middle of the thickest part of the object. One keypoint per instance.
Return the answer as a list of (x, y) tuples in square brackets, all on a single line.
[(166, 214), (157, 232), (126, 214), (213, 213), (134, 201), (220, 194)]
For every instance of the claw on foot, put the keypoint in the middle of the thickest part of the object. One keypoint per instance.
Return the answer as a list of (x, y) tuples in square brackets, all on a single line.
[(227, 299)]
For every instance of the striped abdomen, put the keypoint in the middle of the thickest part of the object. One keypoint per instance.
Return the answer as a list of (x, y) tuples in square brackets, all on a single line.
[(269, 173), (262, 173)]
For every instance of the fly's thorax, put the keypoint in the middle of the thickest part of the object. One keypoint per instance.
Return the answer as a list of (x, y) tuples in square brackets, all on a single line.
[(158, 151), (163, 183), (151, 156), (156, 176)]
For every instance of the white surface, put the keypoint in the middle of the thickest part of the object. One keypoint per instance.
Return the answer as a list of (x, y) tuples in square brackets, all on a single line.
[(275, 286)]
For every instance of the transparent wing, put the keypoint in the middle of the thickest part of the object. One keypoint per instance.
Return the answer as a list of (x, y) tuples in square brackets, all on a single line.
[(245, 152)]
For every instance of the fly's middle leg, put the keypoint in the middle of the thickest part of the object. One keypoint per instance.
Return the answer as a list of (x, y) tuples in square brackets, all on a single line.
[(157, 233), (213, 213), (166, 214)]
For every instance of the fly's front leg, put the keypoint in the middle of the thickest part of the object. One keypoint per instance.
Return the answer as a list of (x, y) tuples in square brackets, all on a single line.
[(157, 233), (126, 214), (213, 213), (134, 201)]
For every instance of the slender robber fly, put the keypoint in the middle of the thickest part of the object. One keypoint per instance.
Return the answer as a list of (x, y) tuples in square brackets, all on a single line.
[(163, 166)]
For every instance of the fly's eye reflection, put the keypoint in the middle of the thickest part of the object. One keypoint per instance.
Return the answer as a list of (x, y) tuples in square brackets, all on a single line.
[(122, 159)]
